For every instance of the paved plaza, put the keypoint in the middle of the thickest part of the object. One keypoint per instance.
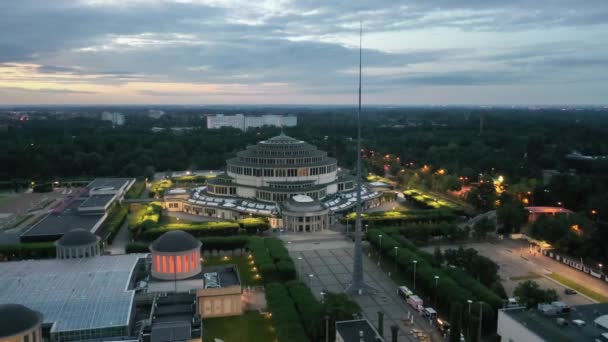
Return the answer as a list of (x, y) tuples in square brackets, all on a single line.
[(330, 263)]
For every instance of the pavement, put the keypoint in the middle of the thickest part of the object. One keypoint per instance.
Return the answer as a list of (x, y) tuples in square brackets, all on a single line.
[(516, 260), (328, 257)]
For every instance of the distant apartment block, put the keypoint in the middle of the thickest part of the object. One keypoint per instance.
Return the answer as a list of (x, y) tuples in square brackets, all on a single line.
[(243, 122), (117, 119)]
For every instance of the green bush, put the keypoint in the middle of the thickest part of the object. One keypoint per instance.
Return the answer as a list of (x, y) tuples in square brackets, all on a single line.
[(224, 243), (197, 229), (33, 250), (137, 247), (115, 219), (254, 225), (136, 190), (285, 317), (311, 311)]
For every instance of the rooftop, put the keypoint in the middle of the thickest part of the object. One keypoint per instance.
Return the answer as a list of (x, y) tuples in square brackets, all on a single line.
[(109, 183), (54, 225), (97, 201), (351, 331), (547, 328), (72, 294)]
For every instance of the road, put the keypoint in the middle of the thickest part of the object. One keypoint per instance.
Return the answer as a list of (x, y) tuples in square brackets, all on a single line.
[(516, 260), (330, 261)]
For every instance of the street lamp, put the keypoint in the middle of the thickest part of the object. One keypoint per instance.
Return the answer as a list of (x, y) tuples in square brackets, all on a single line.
[(469, 320), (415, 263), (436, 282), (310, 276), (299, 265), (396, 249), (601, 265), (379, 248), (288, 245), (367, 225)]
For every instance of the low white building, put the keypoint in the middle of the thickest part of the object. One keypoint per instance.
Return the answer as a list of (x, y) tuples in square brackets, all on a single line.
[(244, 122)]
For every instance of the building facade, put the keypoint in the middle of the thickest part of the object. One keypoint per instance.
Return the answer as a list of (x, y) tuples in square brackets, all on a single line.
[(263, 179), (244, 122)]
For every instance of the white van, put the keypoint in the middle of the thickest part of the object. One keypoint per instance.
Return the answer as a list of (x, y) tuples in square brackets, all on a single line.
[(404, 292), (429, 313)]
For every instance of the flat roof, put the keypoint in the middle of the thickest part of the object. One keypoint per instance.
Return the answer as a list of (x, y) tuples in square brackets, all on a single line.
[(53, 226), (73, 294), (351, 330), (114, 183), (97, 201), (547, 328)]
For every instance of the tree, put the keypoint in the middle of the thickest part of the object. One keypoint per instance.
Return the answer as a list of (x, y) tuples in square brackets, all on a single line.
[(455, 322), (511, 214), (340, 307), (483, 196), (530, 294), (438, 255), (482, 227)]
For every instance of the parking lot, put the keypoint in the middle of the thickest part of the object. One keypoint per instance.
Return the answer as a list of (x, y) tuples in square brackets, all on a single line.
[(517, 264)]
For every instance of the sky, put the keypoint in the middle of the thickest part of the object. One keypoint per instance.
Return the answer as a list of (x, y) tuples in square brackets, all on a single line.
[(415, 52)]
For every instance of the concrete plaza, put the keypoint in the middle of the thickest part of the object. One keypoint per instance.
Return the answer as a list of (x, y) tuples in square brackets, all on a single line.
[(330, 263)]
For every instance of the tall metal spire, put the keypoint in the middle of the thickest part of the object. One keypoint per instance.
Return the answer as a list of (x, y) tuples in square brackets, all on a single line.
[(358, 285)]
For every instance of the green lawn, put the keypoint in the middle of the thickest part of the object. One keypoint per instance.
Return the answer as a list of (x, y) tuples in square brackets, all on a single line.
[(528, 276), (244, 265), (580, 288), (249, 327)]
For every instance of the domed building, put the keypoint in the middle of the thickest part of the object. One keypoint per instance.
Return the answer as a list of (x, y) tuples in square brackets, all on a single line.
[(302, 213), (263, 177), (19, 324), (175, 255), (77, 243)]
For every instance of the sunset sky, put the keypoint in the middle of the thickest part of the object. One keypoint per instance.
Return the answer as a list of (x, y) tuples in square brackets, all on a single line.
[(303, 52)]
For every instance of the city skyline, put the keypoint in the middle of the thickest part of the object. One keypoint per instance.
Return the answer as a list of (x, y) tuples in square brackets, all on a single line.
[(303, 52)]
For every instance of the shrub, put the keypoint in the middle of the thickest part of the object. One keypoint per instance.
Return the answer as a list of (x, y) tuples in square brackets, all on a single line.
[(254, 225), (137, 247), (197, 229), (136, 190), (285, 317), (311, 311), (115, 219)]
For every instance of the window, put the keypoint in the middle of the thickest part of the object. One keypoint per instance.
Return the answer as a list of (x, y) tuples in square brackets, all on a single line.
[(26, 338)]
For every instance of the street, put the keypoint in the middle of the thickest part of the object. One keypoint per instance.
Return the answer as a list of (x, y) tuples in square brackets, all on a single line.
[(329, 260)]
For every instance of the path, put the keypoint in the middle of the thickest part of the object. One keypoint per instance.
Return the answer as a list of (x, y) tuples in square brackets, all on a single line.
[(330, 262)]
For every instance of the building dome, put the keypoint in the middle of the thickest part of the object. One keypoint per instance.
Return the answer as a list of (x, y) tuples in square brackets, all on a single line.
[(77, 243), (16, 319), (175, 255), (77, 237), (175, 241)]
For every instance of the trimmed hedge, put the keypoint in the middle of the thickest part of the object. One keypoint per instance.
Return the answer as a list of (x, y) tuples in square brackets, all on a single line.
[(137, 247), (136, 190), (33, 250), (254, 225), (404, 217), (285, 317), (213, 243), (311, 311), (198, 229), (286, 269), (114, 221), (262, 258)]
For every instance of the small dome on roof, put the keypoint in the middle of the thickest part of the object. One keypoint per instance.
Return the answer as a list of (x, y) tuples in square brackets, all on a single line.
[(16, 319), (175, 241), (77, 237)]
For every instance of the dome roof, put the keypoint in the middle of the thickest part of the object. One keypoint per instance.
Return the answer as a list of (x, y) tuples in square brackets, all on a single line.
[(303, 204), (282, 139), (175, 241), (77, 237), (17, 318)]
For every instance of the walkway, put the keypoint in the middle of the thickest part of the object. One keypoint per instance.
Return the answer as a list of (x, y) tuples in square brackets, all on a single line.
[(330, 263)]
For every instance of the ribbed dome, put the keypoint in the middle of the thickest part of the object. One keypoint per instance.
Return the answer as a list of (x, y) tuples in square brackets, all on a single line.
[(282, 139), (175, 241), (16, 318), (77, 237)]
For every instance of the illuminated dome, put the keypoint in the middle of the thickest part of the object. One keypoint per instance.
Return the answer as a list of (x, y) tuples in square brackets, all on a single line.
[(18, 320), (175, 255)]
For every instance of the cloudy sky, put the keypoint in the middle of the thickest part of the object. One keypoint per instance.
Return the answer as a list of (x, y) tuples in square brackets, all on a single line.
[(303, 52)]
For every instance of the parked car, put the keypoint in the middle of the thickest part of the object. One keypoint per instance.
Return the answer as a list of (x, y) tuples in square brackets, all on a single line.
[(429, 313), (569, 291), (404, 292)]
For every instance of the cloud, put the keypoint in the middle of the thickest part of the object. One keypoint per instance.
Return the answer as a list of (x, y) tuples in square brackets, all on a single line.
[(309, 45)]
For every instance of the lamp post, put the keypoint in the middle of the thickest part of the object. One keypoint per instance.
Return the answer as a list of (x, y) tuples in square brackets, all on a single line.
[(480, 321), (367, 225), (299, 266), (310, 276), (415, 263), (469, 320), (379, 248), (601, 267), (436, 282), (396, 249)]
